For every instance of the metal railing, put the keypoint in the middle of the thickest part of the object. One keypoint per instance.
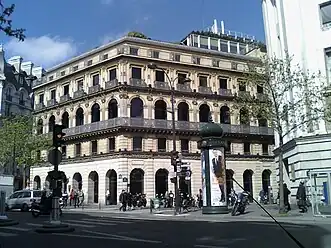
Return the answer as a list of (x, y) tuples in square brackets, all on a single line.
[(162, 124)]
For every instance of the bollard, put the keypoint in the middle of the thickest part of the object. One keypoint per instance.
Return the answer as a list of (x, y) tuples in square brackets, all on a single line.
[(151, 206), (3, 215)]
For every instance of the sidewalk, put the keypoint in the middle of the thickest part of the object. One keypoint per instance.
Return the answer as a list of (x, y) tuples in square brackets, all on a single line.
[(253, 213)]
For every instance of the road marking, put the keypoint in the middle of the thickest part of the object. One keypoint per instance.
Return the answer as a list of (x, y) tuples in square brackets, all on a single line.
[(99, 223), (78, 225), (84, 236), (210, 246), (14, 228), (124, 238), (33, 224), (108, 221), (4, 234)]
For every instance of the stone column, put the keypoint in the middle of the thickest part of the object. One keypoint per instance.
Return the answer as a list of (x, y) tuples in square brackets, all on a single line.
[(213, 169)]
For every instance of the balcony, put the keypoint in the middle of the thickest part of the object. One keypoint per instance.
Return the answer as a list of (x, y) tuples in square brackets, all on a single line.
[(204, 90), (65, 98), (94, 89), (111, 84), (261, 97), (162, 124), (225, 92), (137, 82), (184, 87), (79, 93), (161, 85), (244, 94), (51, 102), (39, 106)]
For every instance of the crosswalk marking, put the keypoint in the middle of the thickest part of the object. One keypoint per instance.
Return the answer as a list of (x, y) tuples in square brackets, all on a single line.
[(99, 223), (78, 225), (15, 228), (107, 221)]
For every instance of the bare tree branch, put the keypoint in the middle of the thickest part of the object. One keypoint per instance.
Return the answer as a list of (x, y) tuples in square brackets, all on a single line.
[(6, 22)]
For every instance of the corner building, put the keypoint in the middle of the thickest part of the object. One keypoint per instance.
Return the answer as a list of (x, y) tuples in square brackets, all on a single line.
[(119, 126)]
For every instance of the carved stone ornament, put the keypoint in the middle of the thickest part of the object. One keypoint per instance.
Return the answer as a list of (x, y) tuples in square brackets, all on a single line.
[(103, 100), (149, 98), (86, 105), (215, 104), (124, 96), (194, 102), (58, 112), (71, 109), (45, 116)]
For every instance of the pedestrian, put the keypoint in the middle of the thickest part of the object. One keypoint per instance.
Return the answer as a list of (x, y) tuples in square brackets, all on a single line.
[(302, 198), (107, 197), (287, 193)]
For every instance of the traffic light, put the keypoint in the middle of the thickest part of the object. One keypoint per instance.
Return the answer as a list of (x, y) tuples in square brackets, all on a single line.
[(58, 135), (174, 158)]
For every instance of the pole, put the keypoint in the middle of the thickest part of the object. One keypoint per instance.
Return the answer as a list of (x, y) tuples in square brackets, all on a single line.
[(177, 199), (55, 216)]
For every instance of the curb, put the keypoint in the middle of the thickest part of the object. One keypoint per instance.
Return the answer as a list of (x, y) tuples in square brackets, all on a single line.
[(8, 222), (50, 228)]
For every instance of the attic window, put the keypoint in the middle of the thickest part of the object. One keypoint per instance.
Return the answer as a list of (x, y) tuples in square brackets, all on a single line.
[(105, 56), (75, 68), (63, 73), (89, 62), (51, 78)]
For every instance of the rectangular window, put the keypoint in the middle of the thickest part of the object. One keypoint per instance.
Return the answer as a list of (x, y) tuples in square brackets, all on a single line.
[(159, 76), (242, 85), (95, 79), (228, 147), (162, 145), (328, 64), (66, 90), (181, 78), (78, 149), (133, 51), (63, 73), (137, 143), (203, 81), (94, 147), (89, 62), (223, 83), (41, 98), (111, 144), (105, 56), (38, 155), (155, 54), (265, 149), (80, 84), (75, 68), (184, 145), (259, 89), (325, 10), (136, 72), (51, 78), (177, 57), (112, 74), (247, 148), (53, 94)]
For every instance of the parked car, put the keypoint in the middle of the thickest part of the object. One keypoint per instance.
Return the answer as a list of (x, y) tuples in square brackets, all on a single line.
[(23, 199)]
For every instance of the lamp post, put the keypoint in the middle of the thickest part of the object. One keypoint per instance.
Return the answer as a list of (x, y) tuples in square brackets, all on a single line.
[(172, 99)]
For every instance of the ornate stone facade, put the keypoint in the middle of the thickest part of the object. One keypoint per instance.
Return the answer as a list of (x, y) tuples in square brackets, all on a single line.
[(119, 126)]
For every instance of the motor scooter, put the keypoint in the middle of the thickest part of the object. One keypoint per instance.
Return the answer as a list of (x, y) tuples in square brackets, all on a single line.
[(42, 209), (240, 203)]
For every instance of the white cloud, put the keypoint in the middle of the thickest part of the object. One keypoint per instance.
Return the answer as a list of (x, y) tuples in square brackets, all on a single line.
[(111, 37), (45, 51)]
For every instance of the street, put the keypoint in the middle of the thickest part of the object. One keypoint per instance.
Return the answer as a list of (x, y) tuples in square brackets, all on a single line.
[(102, 230)]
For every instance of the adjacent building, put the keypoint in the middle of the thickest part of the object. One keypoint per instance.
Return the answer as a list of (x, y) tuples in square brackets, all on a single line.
[(16, 96), (116, 110), (303, 29)]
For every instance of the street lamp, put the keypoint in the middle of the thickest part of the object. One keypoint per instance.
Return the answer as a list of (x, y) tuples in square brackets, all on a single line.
[(172, 99)]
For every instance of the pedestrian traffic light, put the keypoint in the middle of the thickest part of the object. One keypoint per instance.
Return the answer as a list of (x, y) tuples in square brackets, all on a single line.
[(174, 158), (58, 135)]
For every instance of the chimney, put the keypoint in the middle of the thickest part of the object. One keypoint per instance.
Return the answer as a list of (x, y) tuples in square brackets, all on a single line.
[(27, 67), (222, 27), (39, 72), (215, 28), (16, 61)]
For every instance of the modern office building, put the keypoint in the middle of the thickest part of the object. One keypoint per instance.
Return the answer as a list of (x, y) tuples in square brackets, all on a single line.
[(116, 110), (303, 29)]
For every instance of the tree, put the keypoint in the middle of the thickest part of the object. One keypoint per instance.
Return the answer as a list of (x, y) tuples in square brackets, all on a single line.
[(137, 35), (277, 81), (6, 22), (19, 143)]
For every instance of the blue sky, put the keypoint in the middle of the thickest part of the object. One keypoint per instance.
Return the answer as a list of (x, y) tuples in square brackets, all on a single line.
[(57, 30)]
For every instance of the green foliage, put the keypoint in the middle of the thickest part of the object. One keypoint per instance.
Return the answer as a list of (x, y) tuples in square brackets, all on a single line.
[(280, 79), (6, 23), (137, 35), (18, 140)]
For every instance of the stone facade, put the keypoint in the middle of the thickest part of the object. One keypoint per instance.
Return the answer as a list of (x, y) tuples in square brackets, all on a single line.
[(116, 110)]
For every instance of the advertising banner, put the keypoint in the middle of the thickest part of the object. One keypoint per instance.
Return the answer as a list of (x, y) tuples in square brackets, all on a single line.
[(217, 177), (203, 178)]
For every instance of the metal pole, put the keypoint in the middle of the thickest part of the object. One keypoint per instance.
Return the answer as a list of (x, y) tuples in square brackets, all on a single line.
[(177, 199), (3, 215), (55, 216)]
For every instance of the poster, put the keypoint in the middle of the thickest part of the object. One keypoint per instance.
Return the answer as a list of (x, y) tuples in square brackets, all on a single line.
[(217, 177), (203, 178)]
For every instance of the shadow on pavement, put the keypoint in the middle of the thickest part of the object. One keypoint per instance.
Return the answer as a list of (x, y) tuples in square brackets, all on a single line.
[(166, 233)]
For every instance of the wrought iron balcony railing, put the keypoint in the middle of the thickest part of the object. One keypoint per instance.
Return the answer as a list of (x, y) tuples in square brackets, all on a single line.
[(162, 124)]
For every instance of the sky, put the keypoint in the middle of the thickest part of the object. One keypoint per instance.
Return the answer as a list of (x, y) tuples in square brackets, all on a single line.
[(58, 30)]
